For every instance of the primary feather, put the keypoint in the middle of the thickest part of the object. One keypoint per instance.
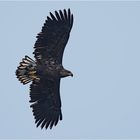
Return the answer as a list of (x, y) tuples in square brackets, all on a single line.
[(53, 38)]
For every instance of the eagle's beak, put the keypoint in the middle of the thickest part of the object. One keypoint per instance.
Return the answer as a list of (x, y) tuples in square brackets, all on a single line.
[(71, 74)]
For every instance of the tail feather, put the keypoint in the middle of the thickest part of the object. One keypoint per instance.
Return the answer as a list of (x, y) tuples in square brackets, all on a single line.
[(26, 71)]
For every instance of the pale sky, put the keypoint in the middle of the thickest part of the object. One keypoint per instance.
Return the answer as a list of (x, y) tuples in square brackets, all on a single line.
[(102, 100)]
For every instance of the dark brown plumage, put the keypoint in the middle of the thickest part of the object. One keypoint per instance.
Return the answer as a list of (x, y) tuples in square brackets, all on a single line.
[(47, 70)]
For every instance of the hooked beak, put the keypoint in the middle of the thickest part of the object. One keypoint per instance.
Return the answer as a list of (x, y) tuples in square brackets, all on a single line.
[(71, 74)]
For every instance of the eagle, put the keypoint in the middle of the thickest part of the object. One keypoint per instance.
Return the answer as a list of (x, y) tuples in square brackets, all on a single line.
[(46, 71)]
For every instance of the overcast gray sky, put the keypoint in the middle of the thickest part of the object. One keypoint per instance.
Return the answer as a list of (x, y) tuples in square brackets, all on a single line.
[(102, 100)]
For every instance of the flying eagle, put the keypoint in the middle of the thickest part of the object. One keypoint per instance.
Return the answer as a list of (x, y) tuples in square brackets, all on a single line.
[(46, 71)]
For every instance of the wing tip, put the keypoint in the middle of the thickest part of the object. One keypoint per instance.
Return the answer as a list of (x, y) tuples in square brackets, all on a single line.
[(47, 119), (60, 15)]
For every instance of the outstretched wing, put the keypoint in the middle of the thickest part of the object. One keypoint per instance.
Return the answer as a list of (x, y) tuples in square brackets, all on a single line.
[(54, 36), (46, 101)]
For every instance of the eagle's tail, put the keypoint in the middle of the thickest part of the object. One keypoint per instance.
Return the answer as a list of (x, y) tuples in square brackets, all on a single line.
[(26, 71)]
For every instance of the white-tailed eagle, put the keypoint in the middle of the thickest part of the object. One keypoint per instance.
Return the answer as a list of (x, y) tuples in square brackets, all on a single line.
[(46, 71)]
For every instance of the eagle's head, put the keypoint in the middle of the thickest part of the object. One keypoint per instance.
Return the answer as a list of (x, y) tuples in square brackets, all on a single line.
[(65, 73)]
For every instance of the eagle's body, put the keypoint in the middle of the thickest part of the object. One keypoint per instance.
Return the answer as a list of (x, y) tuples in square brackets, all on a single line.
[(47, 70), (52, 70)]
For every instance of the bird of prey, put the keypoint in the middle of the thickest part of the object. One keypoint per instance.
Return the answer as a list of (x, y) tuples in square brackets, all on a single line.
[(46, 71)]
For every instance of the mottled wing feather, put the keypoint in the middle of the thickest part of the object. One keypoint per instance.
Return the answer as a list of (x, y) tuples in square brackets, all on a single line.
[(46, 103), (53, 38)]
